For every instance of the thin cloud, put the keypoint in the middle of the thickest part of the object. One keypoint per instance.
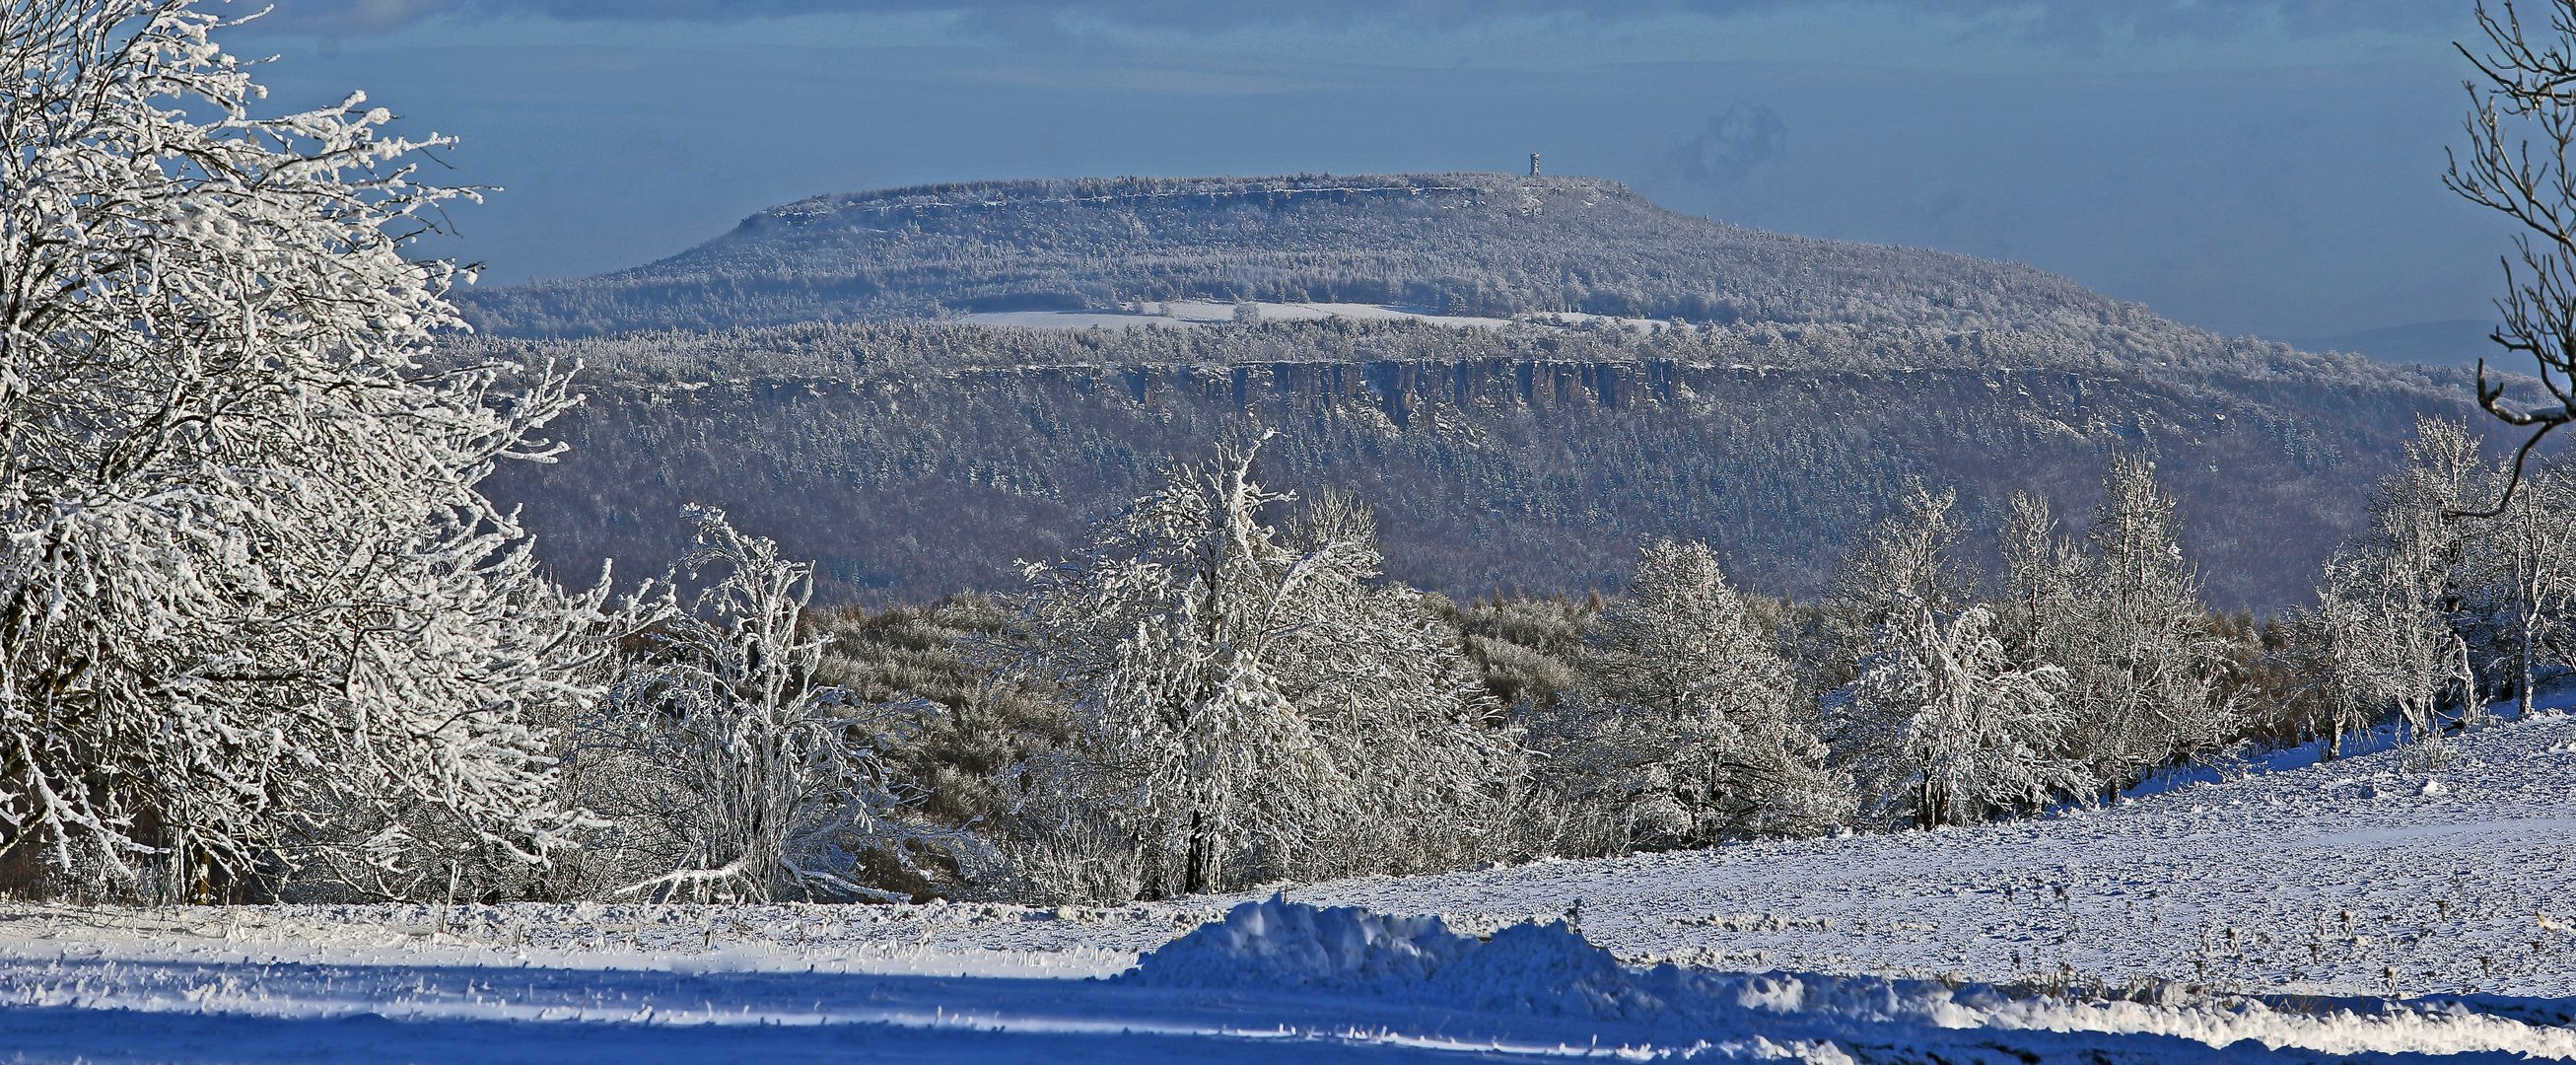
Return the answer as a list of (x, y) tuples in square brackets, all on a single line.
[(1737, 142)]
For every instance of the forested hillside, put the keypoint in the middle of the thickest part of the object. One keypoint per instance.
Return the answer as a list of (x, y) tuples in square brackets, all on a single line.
[(915, 459)]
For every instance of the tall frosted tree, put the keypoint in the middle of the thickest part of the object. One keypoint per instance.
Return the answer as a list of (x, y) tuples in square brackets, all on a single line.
[(1689, 731), (252, 606), (1908, 564), (1242, 700), (2142, 665), (2043, 582), (2389, 604)]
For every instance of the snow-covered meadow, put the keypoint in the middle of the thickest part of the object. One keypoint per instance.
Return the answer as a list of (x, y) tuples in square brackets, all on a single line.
[(1171, 313), (2275, 911)]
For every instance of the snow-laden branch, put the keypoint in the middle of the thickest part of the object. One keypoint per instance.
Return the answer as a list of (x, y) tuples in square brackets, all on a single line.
[(255, 616)]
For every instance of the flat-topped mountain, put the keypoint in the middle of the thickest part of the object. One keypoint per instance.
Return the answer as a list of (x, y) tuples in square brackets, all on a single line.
[(1632, 372), (1458, 244)]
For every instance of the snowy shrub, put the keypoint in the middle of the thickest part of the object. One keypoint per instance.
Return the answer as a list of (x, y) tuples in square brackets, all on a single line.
[(727, 773), (951, 763), (255, 616), (1524, 647)]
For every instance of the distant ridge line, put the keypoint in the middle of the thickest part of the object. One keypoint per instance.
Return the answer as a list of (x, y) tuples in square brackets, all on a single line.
[(1212, 194), (850, 202), (1275, 190)]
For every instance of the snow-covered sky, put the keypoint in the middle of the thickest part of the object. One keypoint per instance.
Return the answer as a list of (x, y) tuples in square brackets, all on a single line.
[(2265, 166)]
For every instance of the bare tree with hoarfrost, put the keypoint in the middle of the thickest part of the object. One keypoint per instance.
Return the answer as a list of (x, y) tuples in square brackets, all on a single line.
[(1243, 701), (2524, 97), (2509, 588), (1908, 564), (1950, 731), (1689, 732), (252, 607), (2536, 539), (729, 775), (2143, 668), (2387, 605)]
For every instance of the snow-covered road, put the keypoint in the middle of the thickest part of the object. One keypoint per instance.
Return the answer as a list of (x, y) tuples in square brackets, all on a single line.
[(2310, 887)]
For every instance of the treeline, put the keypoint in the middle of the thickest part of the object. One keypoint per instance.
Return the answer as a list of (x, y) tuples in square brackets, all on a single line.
[(1218, 688), (848, 350), (1215, 693)]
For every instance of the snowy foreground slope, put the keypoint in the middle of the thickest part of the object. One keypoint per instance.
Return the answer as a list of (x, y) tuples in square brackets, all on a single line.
[(2310, 894)]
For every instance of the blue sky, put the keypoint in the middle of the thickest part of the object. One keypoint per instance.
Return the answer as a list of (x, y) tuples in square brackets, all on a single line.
[(2250, 166)]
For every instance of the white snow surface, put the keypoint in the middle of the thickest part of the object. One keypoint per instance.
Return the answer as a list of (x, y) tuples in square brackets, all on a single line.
[(2270, 916), (1181, 313)]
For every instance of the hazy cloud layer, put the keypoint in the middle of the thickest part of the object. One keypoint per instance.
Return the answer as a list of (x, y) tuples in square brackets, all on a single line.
[(1736, 143), (2075, 20)]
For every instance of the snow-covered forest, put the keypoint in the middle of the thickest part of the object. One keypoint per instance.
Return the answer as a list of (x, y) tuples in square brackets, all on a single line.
[(1094, 732), (914, 459)]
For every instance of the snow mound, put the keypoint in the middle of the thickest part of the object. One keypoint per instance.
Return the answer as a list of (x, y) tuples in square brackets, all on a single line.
[(1278, 943), (1548, 969), (1539, 969)]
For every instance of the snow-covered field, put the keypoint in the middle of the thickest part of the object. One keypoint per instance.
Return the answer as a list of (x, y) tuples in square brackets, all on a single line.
[(1203, 312), (2298, 899)]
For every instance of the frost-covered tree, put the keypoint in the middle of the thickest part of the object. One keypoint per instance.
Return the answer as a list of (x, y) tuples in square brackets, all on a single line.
[(2387, 646), (2142, 665), (1908, 564), (1437, 770), (2516, 576), (728, 773), (1951, 732), (1241, 700), (254, 613), (2540, 542), (2389, 606), (2043, 582), (1939, 721), (1688, 730), (2521, 129)]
